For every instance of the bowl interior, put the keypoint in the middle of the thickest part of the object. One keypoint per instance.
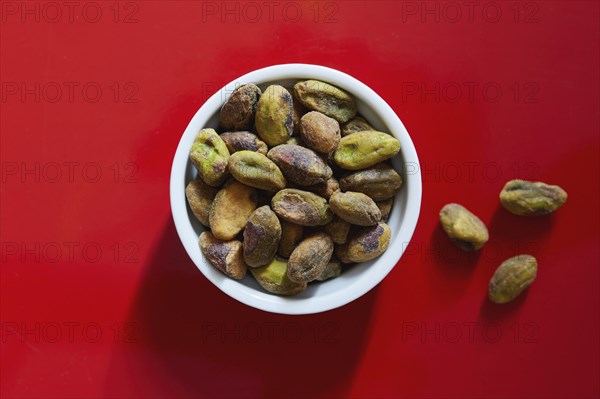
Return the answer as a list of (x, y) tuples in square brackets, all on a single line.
[(355, 280)]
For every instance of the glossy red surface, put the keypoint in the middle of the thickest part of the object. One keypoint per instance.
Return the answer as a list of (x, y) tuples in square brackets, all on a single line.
[(99, 298)]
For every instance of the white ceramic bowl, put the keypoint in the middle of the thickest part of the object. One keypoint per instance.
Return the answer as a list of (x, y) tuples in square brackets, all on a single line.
[(357, 280)]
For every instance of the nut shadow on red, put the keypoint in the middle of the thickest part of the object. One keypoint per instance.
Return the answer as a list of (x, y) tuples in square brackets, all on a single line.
[(495, 312), (525, 230), (454, 267)]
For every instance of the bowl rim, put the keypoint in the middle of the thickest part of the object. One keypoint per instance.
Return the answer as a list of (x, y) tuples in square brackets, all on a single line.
[(265, 301)]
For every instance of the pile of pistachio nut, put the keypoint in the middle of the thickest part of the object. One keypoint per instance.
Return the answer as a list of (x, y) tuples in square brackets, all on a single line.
[(292, 186), (468, 232)]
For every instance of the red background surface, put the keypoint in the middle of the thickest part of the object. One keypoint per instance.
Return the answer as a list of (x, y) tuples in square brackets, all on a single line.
[(99, 298)]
